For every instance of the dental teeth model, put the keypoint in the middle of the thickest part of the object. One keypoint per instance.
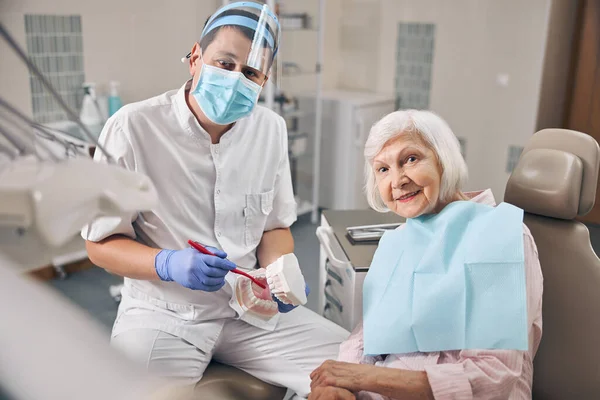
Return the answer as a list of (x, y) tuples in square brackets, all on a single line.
[(253, 298), (286, 280)]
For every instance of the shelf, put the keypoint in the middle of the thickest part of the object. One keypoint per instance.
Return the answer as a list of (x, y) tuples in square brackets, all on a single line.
[(299, 73), (293, 114)]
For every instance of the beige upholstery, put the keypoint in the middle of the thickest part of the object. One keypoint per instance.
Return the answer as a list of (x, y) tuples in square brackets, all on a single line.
[(554, 181), (222, 382), (581, 145), (548, 183)]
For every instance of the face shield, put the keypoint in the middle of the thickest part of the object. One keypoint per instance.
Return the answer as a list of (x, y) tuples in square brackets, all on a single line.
[(244, 37)]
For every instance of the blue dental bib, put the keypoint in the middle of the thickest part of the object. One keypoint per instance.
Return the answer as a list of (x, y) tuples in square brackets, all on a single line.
[(449, 281)]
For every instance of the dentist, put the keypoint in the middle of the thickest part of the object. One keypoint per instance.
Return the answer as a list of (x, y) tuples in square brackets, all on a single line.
[(220, 164)]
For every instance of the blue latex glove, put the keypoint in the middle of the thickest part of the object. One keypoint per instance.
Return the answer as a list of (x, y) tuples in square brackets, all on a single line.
[(192, 269), (285, 308)]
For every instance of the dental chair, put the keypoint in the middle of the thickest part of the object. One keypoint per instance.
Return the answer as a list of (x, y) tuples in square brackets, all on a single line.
[(554, 182), (222, 382)]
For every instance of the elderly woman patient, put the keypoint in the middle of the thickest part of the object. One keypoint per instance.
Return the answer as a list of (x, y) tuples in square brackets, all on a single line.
[(452, 304)]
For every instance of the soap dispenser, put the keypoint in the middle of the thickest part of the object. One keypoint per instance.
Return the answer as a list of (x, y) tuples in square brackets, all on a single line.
[(114, 100), (91, 114)]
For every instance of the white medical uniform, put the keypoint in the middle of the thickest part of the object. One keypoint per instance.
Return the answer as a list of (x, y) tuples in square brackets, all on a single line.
[(223, 195)]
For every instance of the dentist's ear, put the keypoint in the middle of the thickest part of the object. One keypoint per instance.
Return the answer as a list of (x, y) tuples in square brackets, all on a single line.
[(193, 58)]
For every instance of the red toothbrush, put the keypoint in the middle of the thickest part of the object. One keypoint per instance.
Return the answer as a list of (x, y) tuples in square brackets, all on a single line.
[(204, 250)]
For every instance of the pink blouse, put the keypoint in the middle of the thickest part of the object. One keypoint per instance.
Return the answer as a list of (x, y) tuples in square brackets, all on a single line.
[(471, 374)]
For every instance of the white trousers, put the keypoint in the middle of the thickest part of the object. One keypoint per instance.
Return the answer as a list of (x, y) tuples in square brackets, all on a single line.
[(284, 357)]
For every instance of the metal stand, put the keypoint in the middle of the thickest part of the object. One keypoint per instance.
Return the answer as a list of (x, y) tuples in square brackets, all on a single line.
[(318, 114)]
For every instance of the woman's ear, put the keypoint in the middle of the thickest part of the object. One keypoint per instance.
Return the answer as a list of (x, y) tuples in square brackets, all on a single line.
[(195, 59)]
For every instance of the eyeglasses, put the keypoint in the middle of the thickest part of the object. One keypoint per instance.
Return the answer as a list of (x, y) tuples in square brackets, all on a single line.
[(252, 74)]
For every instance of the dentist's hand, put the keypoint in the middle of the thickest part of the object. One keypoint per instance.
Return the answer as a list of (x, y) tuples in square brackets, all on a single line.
[(192, 269), (285, 308)]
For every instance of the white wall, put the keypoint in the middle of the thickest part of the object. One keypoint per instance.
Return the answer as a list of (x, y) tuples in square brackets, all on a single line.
[(475, 40), (136, 42)]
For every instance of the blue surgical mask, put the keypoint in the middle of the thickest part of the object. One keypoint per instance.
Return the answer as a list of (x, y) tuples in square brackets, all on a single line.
[(225, 96)]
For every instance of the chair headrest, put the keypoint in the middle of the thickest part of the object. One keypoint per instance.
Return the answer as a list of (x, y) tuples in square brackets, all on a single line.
[(556, 175)]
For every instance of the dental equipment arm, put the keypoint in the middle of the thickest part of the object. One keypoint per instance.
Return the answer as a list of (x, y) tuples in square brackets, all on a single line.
[(36, 72), (56, 199), (44, 337)]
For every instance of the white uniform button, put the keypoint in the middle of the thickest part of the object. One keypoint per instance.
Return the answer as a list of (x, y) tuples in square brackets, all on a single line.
[(219, 234), (218, 191)]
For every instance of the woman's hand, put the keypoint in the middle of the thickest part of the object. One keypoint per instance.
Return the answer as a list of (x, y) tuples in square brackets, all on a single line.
[(353, 377), (390, 382), (331, 393)]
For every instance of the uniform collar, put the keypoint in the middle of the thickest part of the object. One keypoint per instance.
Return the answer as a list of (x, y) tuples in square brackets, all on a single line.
[(186, 118)]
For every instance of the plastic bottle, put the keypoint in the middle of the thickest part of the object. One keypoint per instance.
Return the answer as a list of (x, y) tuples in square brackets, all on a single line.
[(91, 115), (114, 100)]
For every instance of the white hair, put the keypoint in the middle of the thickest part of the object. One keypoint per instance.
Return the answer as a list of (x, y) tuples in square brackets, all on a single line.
[(434, 132)]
